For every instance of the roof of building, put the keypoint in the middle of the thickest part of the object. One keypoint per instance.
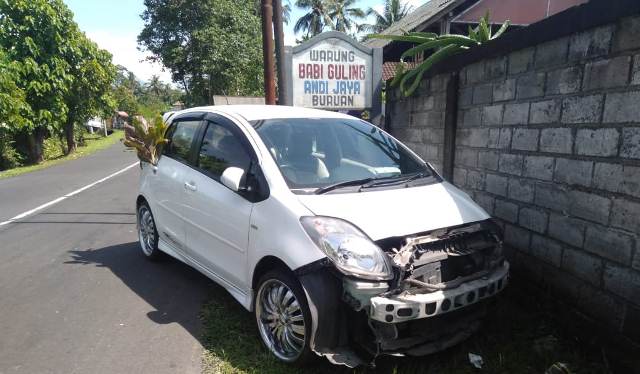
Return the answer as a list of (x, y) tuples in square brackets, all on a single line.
[(258, 112), (389, 69), (414, 19), (518, 12)]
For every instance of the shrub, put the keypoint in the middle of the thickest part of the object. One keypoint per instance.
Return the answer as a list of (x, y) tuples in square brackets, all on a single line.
[(53, 148), (9, 156)]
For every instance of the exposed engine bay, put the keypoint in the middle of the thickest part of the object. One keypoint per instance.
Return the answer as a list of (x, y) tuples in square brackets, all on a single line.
[(435, 300), (444, 259)]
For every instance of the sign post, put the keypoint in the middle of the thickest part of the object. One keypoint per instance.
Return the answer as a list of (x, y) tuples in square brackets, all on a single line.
[(333, 71)]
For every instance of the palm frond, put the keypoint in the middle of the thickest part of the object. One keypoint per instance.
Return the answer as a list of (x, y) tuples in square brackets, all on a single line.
[(146, 138)]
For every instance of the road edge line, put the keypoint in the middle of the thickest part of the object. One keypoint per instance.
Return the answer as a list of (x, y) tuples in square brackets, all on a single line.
[(61, 198)]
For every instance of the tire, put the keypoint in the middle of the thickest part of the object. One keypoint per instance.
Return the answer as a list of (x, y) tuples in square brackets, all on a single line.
[(147, 232), (282, 315)]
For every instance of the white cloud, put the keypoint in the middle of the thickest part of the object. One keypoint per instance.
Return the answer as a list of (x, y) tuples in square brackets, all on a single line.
[(124, 49)]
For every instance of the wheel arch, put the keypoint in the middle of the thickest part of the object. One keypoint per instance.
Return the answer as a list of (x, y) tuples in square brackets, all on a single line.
[(141, 199), (266, 264)]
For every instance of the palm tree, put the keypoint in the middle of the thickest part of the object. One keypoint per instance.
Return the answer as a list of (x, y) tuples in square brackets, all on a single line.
[(286, 12), (316, 18), (344, 15), (155, 85), (394, 10)]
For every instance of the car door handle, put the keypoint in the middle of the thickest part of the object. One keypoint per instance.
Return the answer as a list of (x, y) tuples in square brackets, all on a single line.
[(190, 186)]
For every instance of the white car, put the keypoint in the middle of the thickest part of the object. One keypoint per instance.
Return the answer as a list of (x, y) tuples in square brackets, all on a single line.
[(334, 234)]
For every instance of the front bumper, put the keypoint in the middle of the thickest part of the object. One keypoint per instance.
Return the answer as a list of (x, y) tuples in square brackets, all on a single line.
[(406, 306), (348, 311)]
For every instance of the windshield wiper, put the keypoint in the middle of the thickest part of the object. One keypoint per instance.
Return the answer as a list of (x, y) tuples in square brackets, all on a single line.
[(390, 181), (371, 182), (355, 182)]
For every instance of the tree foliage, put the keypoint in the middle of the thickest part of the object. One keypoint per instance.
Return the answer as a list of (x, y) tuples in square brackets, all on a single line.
[(394, 11), (54, 75), (89, 92), (337, 15), (315, 19), (13, 105), (344, 14), (213, 47)]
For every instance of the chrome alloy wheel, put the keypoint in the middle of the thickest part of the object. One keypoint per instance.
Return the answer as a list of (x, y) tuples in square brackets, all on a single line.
[(280, 320), (146, 230)]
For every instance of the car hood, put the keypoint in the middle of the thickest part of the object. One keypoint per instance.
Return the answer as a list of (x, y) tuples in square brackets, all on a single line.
[(398, 212)]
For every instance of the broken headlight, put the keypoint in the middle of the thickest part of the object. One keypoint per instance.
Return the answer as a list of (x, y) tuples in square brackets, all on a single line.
[(348, 248)]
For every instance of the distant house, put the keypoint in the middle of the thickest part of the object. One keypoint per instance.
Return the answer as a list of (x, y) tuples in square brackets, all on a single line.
[(119, 119), (455, 16)]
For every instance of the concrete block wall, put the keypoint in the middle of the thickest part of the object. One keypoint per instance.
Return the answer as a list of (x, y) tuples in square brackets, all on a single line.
[(553, 151), (419, 120), (548, 142)]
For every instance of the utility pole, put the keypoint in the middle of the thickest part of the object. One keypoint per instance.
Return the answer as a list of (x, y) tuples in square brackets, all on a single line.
[(279, 37), (267, 52)]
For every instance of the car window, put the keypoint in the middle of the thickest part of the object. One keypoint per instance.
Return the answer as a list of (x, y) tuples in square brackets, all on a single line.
[(318, 152), (180, 138), (220, 149)]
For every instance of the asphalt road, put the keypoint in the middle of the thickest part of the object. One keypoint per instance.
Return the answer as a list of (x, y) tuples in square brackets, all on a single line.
[(76, 295)]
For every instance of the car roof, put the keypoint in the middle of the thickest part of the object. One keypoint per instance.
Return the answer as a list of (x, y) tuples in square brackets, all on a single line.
[(260, 112)]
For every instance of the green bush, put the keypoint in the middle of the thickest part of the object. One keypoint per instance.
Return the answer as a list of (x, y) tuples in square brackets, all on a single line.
[(9, 156), (53, 148)]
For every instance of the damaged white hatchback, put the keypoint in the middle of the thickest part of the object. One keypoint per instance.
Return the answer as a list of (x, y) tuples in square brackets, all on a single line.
[(340, 240)]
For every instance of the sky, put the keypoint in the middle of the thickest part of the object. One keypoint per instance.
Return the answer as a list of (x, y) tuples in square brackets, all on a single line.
[(115, 25)]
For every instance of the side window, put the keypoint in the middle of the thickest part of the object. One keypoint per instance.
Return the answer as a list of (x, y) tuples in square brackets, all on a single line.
[(180, 138), (220, 149)]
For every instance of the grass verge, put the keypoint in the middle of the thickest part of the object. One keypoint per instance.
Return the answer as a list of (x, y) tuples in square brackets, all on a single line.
[(513, 339), (93, 143)]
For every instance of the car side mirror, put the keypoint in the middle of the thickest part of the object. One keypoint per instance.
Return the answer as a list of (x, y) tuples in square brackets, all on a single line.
[(232, 178)]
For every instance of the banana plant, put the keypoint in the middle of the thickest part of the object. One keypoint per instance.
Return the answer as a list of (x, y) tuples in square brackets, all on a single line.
[(146, 138), (444, 46)]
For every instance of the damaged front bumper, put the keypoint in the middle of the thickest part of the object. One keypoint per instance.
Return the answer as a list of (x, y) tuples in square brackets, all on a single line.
[(436, 299), (407, 306)]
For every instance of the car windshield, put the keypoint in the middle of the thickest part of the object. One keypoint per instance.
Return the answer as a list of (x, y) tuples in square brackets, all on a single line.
[(314, 153)]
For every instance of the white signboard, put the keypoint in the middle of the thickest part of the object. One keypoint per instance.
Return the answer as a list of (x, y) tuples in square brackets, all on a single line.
[(332, 74)]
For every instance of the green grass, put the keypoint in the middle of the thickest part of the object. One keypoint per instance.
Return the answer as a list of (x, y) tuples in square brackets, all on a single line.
[(513, 339), (93, 143)]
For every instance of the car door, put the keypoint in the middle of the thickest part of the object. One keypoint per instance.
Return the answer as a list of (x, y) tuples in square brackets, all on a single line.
[(168, 188), (217, 223)]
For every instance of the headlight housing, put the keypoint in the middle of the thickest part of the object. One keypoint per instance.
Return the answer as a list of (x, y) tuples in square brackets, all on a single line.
[(348, 248)]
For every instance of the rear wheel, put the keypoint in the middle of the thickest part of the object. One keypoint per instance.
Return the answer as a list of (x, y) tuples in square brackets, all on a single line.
[(147, 233), (283, 317)]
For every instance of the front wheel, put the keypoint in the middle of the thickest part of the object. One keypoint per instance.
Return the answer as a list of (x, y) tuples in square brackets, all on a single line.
[(147, 233), (283, 317)]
